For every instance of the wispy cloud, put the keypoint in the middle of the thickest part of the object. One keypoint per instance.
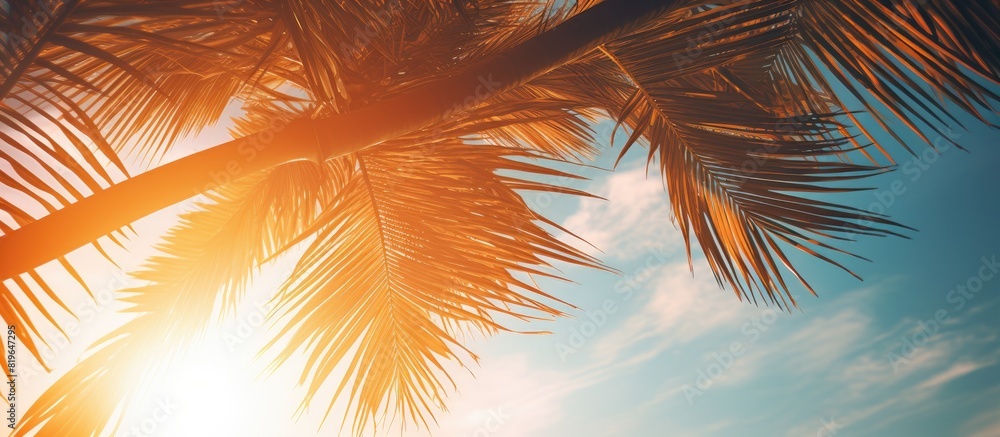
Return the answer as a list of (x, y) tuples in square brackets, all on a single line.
[(833, 357), (509, 396), (869, 386), (634, 218), (679, 309), (986, 424), (954, 372)]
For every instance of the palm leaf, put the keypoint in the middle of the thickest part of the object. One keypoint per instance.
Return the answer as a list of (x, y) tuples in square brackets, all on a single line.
[(72, 70), (205, 259), (751, 95), (425, 237), (419, 243)]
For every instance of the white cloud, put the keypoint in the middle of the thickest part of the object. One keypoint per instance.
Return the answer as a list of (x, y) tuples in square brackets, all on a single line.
[(956, 371), (634, 218), (868, 385), (986, 424), (507, 397), (824, 340), (992, 430), (680, 309)]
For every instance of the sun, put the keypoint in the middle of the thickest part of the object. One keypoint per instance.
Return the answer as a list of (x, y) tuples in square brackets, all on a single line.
[(209, 392)]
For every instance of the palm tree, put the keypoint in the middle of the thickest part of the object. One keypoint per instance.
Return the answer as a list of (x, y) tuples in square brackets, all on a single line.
[(386, 133)]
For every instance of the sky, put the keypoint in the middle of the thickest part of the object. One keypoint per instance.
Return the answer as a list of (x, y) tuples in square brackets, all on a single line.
[(902, 353), (657, 350)]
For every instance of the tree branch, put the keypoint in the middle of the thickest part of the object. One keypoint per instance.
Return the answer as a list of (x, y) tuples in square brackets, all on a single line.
[(87, 220)]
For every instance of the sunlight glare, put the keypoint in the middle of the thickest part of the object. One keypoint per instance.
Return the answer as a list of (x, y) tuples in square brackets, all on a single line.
[(211, 390)]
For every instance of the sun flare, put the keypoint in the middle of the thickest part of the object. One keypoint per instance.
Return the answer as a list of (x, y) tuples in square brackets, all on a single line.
[(311, 210), (204, 394)]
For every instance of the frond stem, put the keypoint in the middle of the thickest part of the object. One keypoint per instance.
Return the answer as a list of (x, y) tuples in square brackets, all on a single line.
[(100, 214)]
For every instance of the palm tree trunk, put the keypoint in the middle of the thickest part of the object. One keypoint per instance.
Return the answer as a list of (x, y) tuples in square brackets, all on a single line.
[(100, 214)]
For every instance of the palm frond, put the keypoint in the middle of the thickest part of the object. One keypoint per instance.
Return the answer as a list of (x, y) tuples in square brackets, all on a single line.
[(420, 242), (890, 65), (743, 119), (84, 80), (205, 259), (737, 180), (425, 237)]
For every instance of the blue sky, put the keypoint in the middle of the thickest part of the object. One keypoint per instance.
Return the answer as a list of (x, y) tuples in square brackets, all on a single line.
[(902, 353), (668, 352)]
